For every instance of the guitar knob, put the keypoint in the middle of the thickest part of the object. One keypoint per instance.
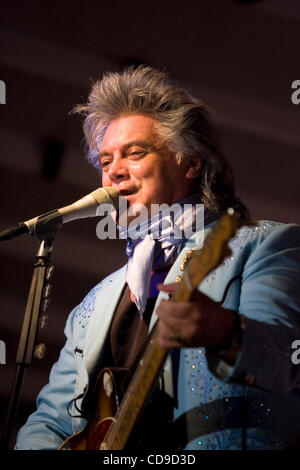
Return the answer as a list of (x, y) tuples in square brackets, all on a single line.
[(107, 384)]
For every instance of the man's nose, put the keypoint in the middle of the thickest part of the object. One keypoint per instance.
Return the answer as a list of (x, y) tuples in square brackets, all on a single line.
[(118, 170)]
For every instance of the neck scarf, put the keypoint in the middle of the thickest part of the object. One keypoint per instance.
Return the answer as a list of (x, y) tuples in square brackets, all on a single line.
[(154, 244)]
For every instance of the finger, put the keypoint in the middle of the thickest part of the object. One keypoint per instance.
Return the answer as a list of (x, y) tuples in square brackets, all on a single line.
[(169, 323), (168, 344), (169, 336), (178, 334), (169, 288), (176, 310)]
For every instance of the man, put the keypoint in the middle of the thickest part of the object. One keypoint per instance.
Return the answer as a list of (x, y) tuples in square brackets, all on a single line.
[(229, 372)]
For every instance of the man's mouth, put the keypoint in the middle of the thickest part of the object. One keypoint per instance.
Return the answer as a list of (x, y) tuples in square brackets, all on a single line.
[(128, 192)]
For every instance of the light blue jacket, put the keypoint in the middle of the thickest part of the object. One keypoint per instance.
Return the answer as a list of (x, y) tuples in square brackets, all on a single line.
[(261, 280)]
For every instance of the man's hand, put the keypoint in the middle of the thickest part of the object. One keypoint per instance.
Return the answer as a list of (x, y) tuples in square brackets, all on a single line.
[(200, 322)]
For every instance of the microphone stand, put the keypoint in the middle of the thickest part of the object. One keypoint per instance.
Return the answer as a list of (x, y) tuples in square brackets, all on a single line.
[(36, 306)]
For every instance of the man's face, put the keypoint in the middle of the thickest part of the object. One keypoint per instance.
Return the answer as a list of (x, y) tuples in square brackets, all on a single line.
[(135, 160)]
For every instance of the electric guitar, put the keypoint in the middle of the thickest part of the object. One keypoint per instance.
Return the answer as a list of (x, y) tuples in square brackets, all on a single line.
[(112, 424)]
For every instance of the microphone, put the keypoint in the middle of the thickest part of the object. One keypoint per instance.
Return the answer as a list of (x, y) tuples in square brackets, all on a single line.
[(49, 222)]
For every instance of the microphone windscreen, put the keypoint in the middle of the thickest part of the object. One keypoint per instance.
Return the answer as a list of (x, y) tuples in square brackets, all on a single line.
[(108, 195)]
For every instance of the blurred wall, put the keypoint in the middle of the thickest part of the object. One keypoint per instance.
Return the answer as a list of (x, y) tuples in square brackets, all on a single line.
[(240, 59)]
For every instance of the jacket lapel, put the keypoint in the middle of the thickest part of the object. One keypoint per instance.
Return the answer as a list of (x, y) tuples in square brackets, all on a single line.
[(106, 302)]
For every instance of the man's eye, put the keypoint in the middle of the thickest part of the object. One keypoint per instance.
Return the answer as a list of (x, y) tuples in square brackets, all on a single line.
[(105, 163), (137, 153)]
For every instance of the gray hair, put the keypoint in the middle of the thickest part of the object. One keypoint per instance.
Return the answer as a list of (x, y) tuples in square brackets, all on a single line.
[(182, 121)]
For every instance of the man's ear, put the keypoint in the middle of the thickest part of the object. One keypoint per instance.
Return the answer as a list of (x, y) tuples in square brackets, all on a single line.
[(193, 168)]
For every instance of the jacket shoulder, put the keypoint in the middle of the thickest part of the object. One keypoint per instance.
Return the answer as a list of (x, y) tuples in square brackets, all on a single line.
[(265, 231)]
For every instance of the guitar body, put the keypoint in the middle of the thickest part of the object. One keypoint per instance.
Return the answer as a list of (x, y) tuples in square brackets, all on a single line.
[(106, 399), (109, 389)]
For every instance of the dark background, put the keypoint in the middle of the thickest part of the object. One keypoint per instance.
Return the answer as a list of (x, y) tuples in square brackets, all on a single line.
[(239, 57)]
